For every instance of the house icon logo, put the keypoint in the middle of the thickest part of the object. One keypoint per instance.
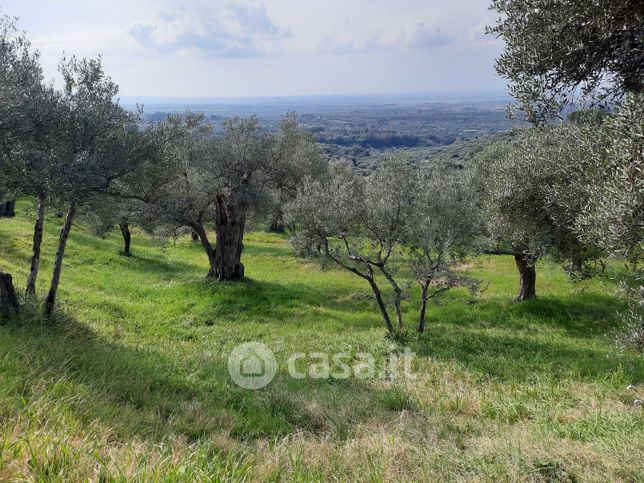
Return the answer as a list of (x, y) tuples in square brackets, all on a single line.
[(252, 365)]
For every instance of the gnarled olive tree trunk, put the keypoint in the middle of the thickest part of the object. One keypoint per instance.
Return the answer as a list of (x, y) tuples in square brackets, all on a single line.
[(527, 273), (230, 224), (10, 208), (50, 302), (37, 243), (381, 304), (527, 278), (200, 231)]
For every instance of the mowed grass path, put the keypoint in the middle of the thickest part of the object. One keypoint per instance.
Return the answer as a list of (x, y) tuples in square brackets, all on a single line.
[(132, 382)]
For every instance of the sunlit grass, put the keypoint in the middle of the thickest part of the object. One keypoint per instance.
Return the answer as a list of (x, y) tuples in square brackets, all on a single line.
[(132, 381)]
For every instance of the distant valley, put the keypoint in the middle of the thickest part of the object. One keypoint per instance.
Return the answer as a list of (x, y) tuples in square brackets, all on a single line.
[(361, 129)]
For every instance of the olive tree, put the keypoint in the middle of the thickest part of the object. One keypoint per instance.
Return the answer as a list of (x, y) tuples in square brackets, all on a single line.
[(94, 149), (249, 165), (173, 186), (295, 155), (444, 231), (36, 167), (383, 227), (558, 54), (30, 128), (240, 159), (327, 218), (198, 177), (105, 212), (556, 51), (532, 192), (614, 216)]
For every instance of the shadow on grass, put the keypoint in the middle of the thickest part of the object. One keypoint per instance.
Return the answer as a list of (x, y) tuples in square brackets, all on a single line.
[(155, 394), (557, 337), (12, 250), (584, 315), (67, 368), (551, 337), (155, 265), (286, 304)]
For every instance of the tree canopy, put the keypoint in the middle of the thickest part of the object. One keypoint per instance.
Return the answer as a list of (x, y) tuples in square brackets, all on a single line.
[(557, 50), (397, 221)]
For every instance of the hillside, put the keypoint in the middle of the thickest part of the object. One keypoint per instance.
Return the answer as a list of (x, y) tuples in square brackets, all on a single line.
[(135, 384)]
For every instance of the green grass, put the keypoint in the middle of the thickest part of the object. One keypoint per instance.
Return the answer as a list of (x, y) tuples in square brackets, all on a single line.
[(132, 382)]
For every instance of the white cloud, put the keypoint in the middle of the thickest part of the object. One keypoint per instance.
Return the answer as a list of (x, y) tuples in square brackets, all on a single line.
[(247, 30), (235, 30), (418, 35), (422, 36)]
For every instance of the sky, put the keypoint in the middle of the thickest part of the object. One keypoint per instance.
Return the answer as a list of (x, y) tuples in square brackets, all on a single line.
[(234, 48)]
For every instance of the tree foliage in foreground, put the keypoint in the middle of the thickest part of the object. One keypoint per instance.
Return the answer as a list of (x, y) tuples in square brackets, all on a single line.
[(557, 50), (96, 147), (614, 216), (562, 53), (29, 130), (61, 147)]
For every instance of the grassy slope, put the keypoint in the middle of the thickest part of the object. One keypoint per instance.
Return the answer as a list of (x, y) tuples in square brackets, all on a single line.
[(136, 385)]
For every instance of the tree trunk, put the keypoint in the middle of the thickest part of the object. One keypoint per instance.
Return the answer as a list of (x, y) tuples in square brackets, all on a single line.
[(37, 243), (276, 224), (381, 305), (203, 236), (230, 223), (127, 238), (8, 297), (397, 296), (399, 319), (423, 307), (528, 279), (576, 265), (10, 209), (194, 235), (50, 302), (277, 227)]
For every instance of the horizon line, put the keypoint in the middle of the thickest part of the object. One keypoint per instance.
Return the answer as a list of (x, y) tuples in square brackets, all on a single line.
[(502, 92)]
